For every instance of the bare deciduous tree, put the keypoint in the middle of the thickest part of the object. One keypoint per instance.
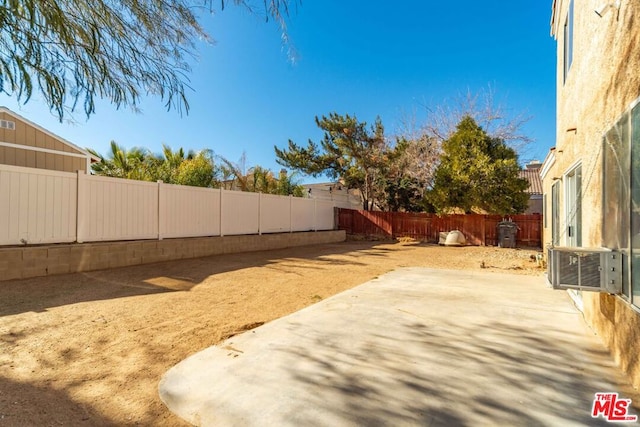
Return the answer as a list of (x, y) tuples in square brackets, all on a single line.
[(484, 109)]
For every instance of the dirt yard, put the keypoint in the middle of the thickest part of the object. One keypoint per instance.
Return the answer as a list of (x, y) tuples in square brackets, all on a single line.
[(90, 349)]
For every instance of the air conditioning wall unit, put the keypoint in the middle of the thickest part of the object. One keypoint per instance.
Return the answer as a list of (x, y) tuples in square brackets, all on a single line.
[(585, 269)]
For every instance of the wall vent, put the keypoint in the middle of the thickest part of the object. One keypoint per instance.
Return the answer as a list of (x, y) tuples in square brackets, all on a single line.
[(6, 124), (585, 269)]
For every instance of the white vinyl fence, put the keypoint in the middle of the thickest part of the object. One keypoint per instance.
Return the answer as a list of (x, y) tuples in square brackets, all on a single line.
[(187, 211), (41, 206), (116, 209), (37, 206)]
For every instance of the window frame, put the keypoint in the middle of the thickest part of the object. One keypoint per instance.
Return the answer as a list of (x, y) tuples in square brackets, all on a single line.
[(630, 120), (555, 213), (573, 212), (568, 43)]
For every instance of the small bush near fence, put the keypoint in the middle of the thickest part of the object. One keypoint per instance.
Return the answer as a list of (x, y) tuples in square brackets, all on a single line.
[(478, 229)]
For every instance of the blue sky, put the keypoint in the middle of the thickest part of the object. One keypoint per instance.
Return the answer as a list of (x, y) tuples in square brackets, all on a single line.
[(366, 58)]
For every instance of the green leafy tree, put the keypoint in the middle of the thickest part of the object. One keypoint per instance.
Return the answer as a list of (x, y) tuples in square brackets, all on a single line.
[(478, 172), (165, 167), (198, 170), (75, 51), (350, 152)]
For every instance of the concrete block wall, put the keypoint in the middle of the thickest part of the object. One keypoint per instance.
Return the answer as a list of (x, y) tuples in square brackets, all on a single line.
[(25, 262)]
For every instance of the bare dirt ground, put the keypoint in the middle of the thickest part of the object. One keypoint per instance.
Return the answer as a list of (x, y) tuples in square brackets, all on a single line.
[(90, 349)]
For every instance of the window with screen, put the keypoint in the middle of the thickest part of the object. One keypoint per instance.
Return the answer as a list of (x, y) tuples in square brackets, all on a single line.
[(615, 179)]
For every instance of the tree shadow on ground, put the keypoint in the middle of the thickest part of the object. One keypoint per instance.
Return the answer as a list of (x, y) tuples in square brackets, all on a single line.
[(416, 347), (41, 293), (21, 403), (489, 373)]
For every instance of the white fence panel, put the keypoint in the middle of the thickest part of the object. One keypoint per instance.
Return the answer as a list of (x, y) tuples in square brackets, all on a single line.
[(324, 215), (116, 209), (189, 211), (302, 214), (36, 206), (275, 213), (240, 212), (42, 206)]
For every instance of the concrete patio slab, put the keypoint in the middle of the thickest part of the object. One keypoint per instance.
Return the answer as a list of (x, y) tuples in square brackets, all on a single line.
[(416, 347)]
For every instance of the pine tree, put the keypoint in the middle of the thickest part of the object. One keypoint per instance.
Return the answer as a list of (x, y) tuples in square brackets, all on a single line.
[(349, 151), (478, 173)]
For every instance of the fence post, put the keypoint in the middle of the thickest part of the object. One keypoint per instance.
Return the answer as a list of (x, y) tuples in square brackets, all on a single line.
[(392, 221), (260, 213), (160, 206), (221, 210), (315, 214), (290, 213), (484, 230), (80, 206)]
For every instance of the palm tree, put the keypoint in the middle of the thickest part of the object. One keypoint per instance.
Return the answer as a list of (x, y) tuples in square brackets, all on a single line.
[(261, 180), (287, 184), (122, 163), (164, 167), (234, 174), (257, 179)]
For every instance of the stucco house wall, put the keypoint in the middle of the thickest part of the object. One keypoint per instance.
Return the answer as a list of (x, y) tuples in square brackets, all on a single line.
[(601, 84), (24, 143)]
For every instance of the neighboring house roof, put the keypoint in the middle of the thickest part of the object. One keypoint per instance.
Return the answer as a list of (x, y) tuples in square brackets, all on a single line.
[(51, 134), (533, 176)]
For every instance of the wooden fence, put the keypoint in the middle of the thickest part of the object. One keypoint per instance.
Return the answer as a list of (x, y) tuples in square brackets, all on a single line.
[(481, 230)]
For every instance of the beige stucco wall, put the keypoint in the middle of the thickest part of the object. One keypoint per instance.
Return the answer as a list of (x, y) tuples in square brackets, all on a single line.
[(604, 80), (46, 260), (618, 326), (601, 84), (26, 134)]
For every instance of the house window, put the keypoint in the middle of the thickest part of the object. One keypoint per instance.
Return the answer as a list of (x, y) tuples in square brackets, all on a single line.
[(635, 205), (573, 220), (568, 41), (6, 124), (615, 197), (555, 214)]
